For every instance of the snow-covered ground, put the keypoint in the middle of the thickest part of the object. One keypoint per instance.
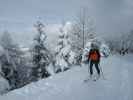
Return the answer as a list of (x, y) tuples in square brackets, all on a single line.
[(69, 85)]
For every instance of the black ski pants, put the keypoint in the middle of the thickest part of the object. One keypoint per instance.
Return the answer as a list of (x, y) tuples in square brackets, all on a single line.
[(96, 66)]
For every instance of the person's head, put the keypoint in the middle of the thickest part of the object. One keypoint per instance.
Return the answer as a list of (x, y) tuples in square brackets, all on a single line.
[(94, 46)]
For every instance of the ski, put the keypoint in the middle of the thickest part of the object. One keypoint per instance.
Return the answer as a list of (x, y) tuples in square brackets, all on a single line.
[(94, 79), (86, 80)]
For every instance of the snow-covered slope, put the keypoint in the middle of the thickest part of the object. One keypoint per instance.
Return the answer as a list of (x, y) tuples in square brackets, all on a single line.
[(69, 85)]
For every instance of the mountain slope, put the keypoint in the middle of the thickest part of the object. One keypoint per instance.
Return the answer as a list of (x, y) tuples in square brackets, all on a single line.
[(118, 71)]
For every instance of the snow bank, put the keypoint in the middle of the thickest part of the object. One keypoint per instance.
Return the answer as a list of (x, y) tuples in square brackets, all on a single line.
[(69, 85), (4, 86)]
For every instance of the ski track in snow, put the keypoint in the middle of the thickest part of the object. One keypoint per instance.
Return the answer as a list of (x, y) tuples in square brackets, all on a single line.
[(69, 85)]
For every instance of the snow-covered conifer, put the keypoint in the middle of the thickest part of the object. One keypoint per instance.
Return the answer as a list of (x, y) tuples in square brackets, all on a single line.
[(40, 53), (10, 60), (64, 54)]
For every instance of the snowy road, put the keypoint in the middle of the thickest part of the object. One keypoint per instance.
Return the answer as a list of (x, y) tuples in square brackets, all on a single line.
[(69, 85)]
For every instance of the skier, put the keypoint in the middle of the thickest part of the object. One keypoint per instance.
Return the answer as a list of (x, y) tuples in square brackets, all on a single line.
[(94, 59)]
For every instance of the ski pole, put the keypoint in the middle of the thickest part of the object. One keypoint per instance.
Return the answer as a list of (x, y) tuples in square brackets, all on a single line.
[(89, 68), (101, 72)]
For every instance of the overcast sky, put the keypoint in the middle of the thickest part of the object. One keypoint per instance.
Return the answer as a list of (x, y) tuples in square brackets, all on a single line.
[(18, 16)]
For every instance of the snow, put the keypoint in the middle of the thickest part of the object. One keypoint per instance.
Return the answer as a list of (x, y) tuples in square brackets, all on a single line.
[(61, 63), (69, 85), (71, 59), (64, 51), (50, 69), (4, 86), (64, 56), (104, 49)]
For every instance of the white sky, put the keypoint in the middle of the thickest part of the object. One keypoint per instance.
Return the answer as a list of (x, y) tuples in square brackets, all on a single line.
[(18, 16)]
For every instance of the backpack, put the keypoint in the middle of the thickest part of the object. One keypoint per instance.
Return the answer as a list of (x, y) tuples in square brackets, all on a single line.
[(94, 56)]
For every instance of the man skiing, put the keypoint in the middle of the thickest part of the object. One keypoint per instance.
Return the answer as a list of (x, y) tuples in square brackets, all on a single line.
[(94, 59)]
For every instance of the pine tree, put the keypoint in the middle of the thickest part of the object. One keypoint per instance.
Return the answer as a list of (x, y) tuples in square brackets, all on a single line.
[(10, 60), (63, 52), (40, 53)]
